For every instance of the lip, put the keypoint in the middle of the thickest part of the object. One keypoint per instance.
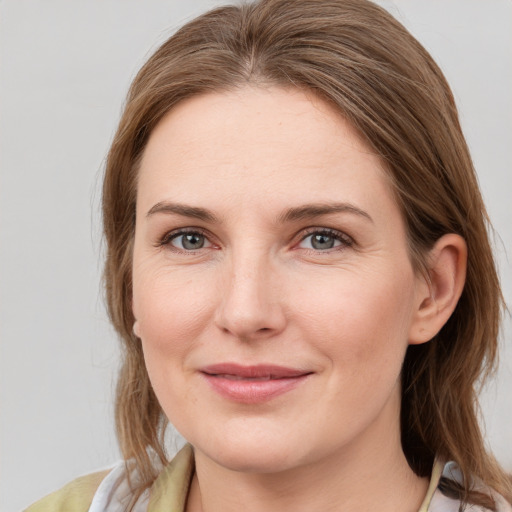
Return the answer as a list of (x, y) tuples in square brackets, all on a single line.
[(252, 384)]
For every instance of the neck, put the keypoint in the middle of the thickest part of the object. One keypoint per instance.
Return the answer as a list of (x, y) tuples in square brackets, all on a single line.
[(371, 474)]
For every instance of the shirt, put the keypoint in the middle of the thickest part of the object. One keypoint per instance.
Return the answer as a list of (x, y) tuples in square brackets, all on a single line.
[(109, 491)]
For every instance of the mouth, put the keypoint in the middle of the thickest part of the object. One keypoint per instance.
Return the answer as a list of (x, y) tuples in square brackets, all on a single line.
[(252, 384)]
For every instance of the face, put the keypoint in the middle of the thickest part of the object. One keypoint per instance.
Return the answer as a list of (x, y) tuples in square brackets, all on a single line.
[(272, 286)]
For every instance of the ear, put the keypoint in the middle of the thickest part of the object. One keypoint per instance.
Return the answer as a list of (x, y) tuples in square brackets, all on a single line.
[(136, 326), (437, 296)]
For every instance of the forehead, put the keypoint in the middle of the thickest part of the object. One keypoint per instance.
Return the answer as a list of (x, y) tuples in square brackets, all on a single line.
[(270, 145)]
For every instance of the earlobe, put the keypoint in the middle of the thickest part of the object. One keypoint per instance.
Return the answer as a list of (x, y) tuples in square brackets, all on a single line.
[(136, 328), (437, 297)]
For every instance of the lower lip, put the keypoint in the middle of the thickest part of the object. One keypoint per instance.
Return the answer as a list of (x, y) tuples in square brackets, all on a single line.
[(253, 391)]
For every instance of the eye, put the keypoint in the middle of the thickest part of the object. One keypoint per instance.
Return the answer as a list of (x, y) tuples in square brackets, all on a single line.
[(187, 241), (323, 240)]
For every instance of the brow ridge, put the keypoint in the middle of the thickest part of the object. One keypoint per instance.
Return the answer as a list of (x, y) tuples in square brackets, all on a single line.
[(183, 210), (302, 212), (319, 209)]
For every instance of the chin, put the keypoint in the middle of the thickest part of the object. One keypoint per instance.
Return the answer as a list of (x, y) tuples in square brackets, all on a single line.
[(251, 454), (260, 460)]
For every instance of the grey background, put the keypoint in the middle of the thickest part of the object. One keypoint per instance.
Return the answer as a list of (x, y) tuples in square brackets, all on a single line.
[(64, 69)]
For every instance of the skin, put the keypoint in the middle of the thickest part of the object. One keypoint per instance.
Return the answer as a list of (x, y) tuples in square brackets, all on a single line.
[(260, 291)]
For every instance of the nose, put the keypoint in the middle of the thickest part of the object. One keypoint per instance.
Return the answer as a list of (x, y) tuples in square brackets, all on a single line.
[(251, 305)]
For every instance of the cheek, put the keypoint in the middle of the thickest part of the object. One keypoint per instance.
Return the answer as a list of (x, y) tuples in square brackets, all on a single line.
[(361, 321), (172, 309)]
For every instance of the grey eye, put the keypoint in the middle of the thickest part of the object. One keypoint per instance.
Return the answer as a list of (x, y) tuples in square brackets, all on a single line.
[(190, 241), (320, 241)]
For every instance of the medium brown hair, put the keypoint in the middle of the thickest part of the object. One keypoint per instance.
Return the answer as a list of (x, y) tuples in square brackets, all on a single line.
[(358, 58)]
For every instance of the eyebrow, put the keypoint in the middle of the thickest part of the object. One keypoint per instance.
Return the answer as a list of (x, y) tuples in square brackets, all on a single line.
[(183, 210), (309, 211)]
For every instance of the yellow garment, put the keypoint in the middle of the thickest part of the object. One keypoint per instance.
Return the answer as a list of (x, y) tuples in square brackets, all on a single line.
[(73, 497), (437, 471), (168, 493)]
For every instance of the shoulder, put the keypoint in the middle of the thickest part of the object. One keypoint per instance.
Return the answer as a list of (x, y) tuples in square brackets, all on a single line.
[(441, 502), (111, 490), (76, 496)]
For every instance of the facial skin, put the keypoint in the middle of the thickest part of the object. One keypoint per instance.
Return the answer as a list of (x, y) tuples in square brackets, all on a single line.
[(276, 279)]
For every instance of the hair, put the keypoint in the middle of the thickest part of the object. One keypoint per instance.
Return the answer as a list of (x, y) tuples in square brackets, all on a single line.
[(355, 56)]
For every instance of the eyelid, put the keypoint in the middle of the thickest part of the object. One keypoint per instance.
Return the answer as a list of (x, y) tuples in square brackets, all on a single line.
[(346, 240), (166, 239)]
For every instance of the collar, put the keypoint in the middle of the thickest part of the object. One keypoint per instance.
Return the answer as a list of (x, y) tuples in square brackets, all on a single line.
[(170, 490)]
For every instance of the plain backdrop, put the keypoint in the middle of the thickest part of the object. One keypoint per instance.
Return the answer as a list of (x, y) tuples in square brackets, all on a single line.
[(65, 67)]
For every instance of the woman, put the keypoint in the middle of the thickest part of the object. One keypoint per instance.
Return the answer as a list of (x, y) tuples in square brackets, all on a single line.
[(299, 268)]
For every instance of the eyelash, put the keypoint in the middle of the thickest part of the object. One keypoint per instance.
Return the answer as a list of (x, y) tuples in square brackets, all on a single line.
[(166, 240), (344, 239)]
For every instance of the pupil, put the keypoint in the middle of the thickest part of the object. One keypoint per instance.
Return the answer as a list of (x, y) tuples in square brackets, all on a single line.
[(193, 241), (322, 242)]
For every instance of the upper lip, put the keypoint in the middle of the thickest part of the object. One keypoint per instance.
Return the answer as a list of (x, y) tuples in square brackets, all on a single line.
[(269, 371)]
